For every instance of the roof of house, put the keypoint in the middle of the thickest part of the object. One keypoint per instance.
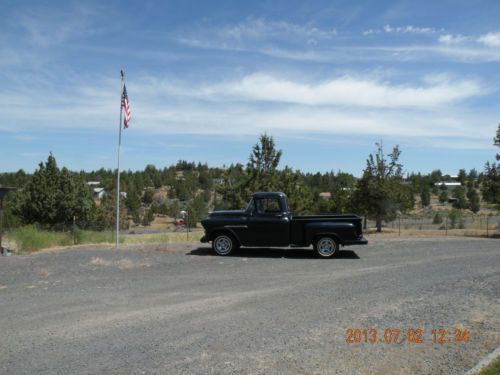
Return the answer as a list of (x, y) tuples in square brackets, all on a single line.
[(448, 183)]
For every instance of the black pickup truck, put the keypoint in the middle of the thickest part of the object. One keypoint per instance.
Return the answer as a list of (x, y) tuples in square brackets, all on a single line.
[(266, 222)]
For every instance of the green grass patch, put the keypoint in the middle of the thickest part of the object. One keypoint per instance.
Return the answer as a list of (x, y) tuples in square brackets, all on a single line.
[(29, 238), (492, 369), (89, 236)]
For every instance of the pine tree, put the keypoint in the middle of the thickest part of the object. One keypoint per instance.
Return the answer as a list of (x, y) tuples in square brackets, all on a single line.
[(53, 197), (474, 204), (381, 192), (496, 141), (133, 203), (461, 201), (425, 195), (462, 176), (443, 196), (262, 165), (148, 217), (105, 217), (174, 209)]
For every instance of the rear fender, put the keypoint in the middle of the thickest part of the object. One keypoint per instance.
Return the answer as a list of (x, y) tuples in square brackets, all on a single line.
[(338, 231), (326, 234)]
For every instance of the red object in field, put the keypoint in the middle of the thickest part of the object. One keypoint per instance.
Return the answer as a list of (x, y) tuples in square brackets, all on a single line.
[(179, 222)]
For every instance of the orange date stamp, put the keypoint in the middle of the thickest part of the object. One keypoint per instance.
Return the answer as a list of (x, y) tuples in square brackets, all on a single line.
[(411, 335)]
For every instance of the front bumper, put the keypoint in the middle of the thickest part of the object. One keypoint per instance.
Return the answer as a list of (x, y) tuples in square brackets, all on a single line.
[(360, 241), (204, 239)]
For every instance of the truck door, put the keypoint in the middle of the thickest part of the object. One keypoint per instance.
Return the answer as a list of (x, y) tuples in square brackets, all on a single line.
[(269, 225)]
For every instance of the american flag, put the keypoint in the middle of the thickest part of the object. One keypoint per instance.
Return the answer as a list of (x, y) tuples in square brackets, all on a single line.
[(126, 107)]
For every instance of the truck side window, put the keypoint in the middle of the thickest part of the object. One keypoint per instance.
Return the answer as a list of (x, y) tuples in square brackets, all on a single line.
[(268, 205), (250, 207)]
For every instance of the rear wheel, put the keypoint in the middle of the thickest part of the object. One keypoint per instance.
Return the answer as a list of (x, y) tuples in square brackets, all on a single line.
[(326, 247), (224, 244)]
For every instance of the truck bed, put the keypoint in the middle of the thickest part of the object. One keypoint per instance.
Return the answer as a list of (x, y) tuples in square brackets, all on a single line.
[(298, 224)]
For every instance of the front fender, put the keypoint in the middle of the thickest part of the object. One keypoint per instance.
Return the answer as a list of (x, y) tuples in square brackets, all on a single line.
[(227, 228)]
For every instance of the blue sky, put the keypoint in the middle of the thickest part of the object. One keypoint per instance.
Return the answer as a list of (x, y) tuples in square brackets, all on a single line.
[(327, 79)]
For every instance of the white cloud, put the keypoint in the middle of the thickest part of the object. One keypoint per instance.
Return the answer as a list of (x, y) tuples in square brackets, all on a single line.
[(452, 39), (301, 43), (253, 32), (371, 31), (246, 119), (260, 28), (44, 28), (409, 29), (490, 39), (341, 106), (346, 91)]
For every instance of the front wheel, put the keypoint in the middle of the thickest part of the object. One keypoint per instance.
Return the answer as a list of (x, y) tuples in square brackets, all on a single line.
[(224, 244), (326, 247)]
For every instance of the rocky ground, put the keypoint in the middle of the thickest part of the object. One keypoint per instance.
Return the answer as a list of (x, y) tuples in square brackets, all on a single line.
[(179, 309)]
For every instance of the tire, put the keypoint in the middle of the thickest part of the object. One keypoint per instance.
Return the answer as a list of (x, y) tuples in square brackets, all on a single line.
[(224, 244), (326, 247)]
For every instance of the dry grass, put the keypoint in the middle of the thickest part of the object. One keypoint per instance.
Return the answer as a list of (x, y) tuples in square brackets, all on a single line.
[(169, 237), (96, 261), (44, 273), (123, 264), (389, 232)]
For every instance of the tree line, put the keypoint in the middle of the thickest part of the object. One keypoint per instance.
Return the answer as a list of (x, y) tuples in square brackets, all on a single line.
[(56, 198)]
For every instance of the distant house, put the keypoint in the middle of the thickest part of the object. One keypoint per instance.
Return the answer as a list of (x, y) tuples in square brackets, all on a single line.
[(449, 185), (325, 195), (93, 183), (99, 192)]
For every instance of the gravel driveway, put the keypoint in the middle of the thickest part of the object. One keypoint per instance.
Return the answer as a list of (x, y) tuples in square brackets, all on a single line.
[(179, 309)]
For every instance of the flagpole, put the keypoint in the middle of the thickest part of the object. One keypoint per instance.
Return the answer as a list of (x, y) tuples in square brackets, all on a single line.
[(118, 170)]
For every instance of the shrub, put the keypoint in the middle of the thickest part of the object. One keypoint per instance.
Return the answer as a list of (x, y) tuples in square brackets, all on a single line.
[(455, 217), (461, 224), (438, 219)]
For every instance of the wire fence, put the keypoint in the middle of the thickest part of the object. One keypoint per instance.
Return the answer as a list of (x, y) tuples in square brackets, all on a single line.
[(444, 224)]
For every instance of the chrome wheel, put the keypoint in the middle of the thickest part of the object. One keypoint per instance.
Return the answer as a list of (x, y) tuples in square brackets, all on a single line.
[(326, 247), (223, 244)]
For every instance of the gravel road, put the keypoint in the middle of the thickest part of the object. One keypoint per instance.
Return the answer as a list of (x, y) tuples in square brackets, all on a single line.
[(179, 309)]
